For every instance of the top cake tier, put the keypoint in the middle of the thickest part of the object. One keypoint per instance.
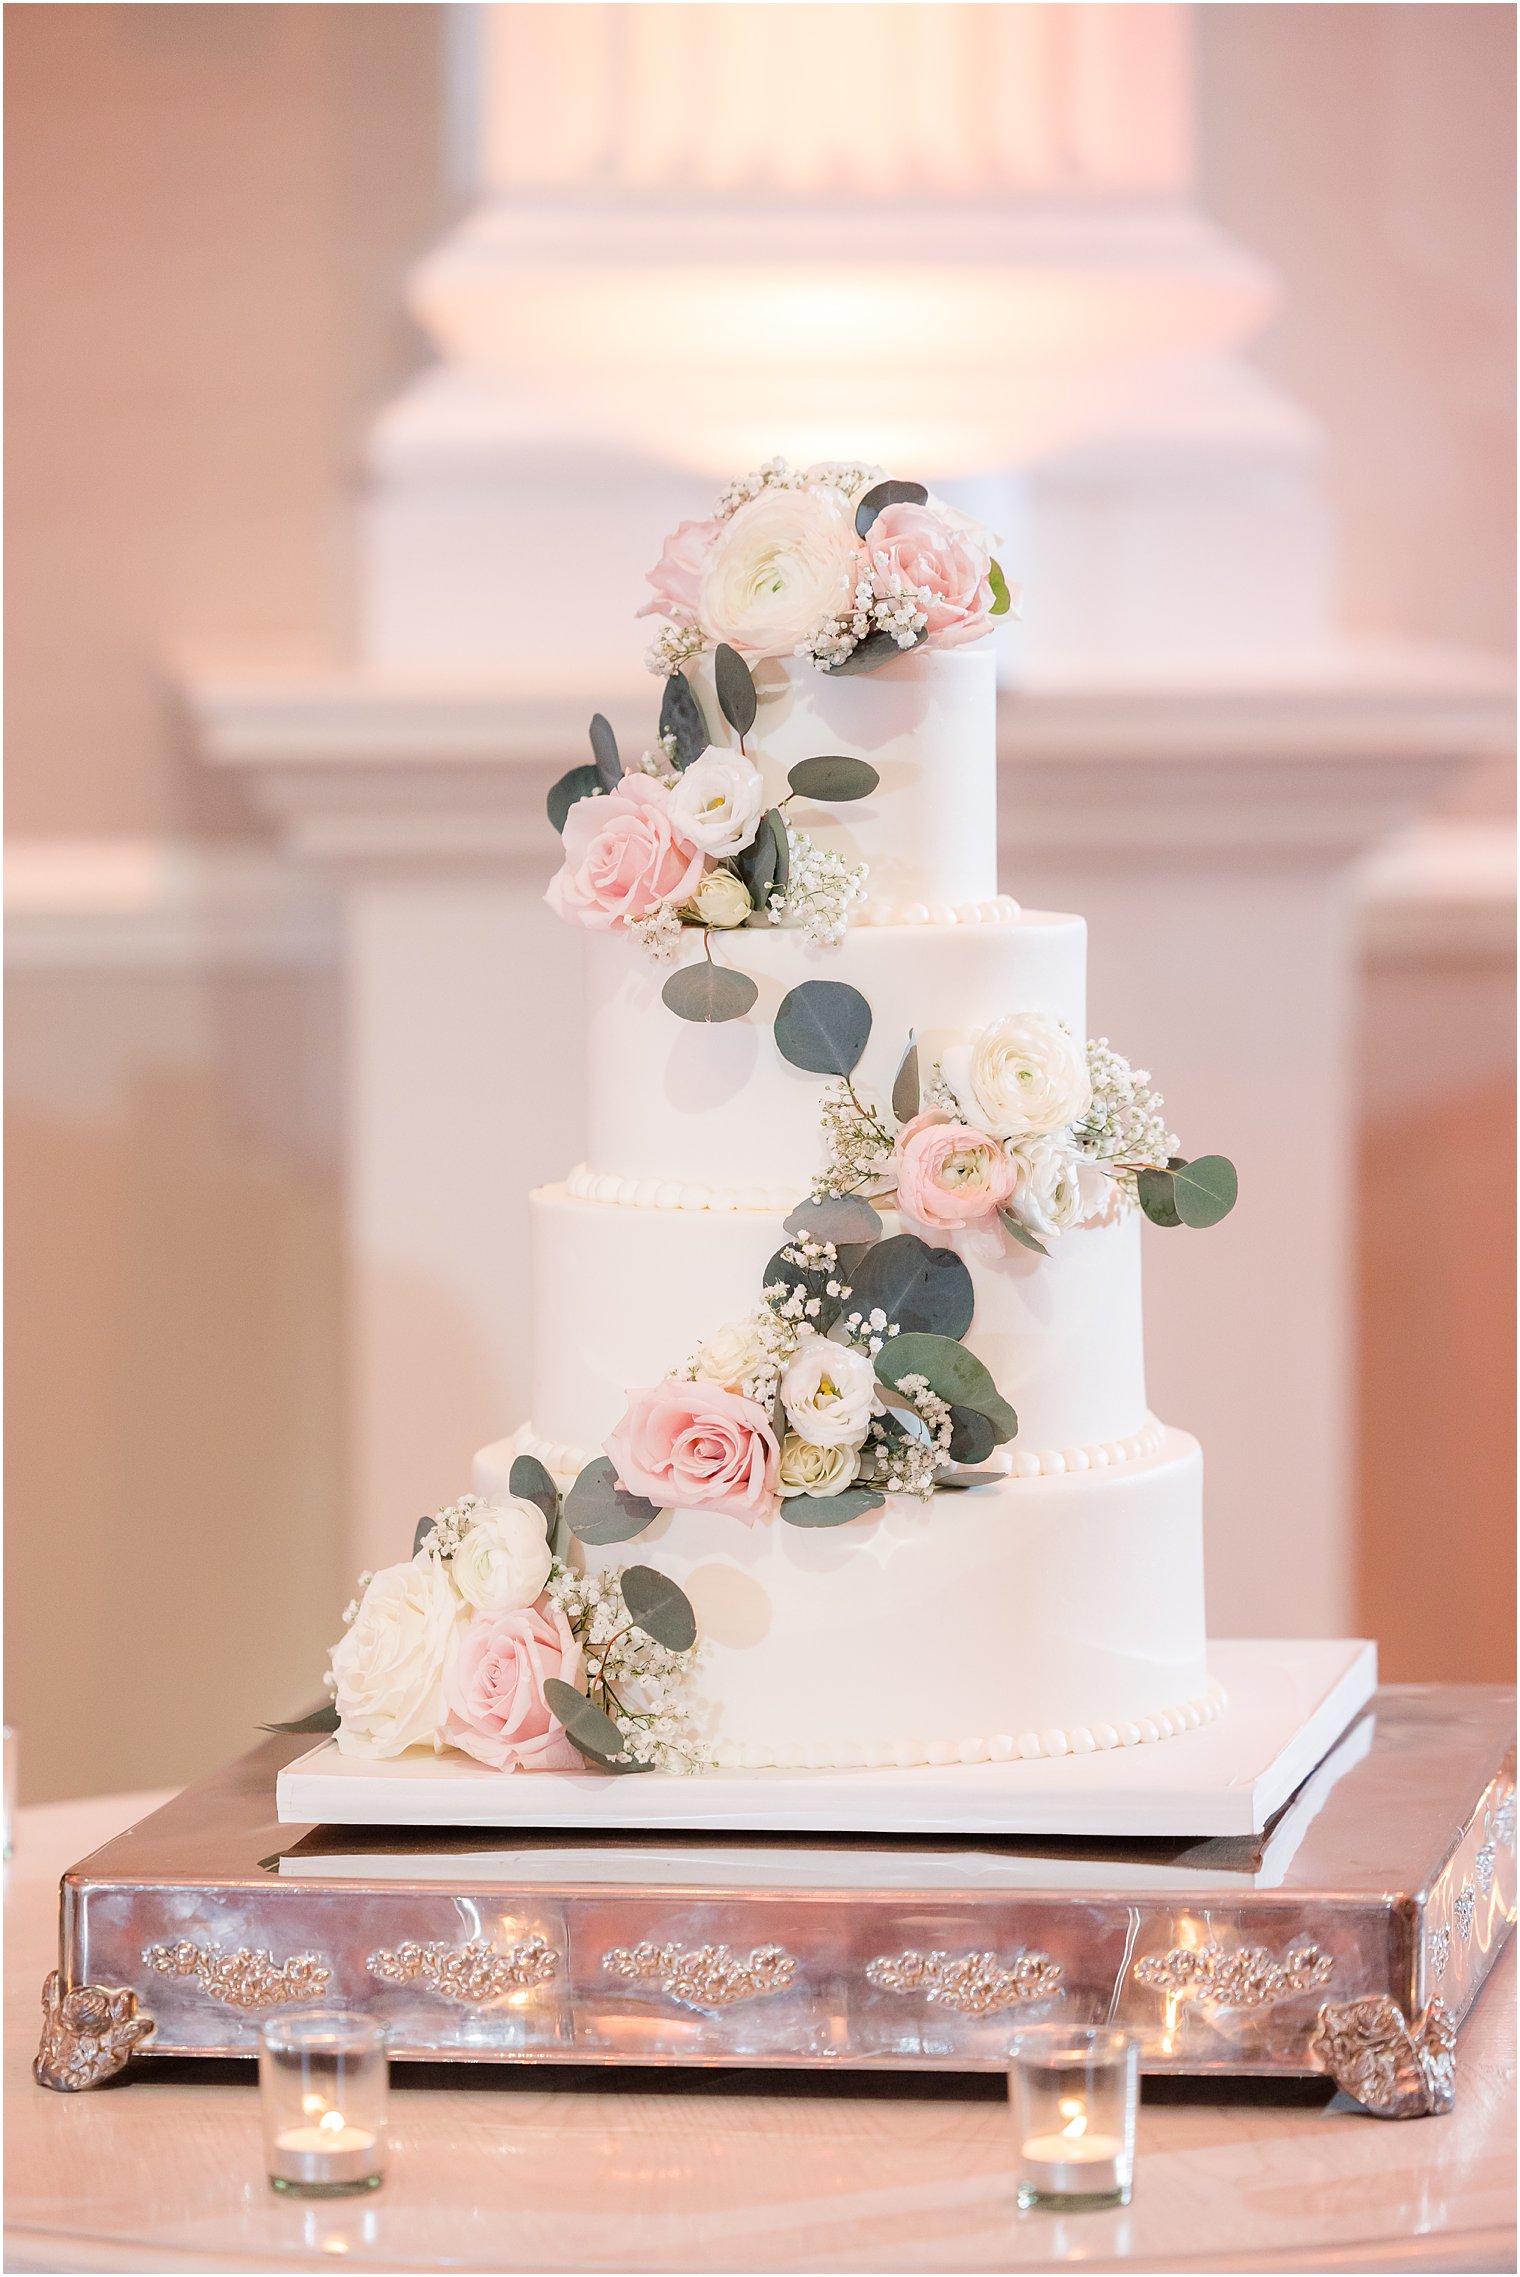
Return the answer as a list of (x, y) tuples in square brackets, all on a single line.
[(927, 723)]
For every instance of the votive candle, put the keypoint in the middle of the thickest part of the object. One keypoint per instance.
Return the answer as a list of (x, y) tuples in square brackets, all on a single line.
[(323, 2076), (1072, 2092)]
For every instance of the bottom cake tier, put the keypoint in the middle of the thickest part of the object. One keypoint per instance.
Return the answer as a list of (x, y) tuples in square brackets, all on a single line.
[(1033, 1616)]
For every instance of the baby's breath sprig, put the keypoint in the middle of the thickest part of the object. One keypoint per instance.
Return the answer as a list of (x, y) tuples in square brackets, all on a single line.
[(1123, 1129), (639, 1683)]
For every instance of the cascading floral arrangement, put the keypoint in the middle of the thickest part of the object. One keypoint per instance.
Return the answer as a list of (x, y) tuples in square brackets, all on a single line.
[(837, 564)]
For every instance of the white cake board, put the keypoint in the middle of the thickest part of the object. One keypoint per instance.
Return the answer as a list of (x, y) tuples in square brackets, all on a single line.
[(1289, 1701)]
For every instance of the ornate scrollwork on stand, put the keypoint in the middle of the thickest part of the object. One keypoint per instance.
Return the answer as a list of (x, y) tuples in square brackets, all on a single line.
[(1462, 1911), (1483, 1868), (473, 1974), (1248, 1977), (1503, 1820), (977, 1984), (705, 1976), (245, 1978), (1438, 1951), (87, 2034), (1392, 2069)]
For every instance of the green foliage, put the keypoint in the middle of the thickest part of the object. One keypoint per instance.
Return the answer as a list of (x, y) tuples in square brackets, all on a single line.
[(580, 783), (661, 1610), (823, 1026), (835, 780), (736, 689), (598, 1510), (709, 992)]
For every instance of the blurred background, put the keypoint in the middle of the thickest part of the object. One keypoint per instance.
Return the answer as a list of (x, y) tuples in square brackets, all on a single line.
[(359, 357)]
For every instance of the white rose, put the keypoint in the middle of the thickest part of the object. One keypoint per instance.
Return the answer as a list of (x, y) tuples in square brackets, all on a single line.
[(391, 1664), (1048, 1188), (721, 900), (718, 802), (829, 1393), (806, 1469), (503, 1561), (732, 1356), (779, 567), (1026, 1074)]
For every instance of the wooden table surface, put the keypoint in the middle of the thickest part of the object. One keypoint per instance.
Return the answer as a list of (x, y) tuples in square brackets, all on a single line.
[(500, 2169)]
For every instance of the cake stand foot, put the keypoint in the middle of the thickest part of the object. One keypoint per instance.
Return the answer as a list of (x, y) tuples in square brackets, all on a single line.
[(1393, 2069), (87, 2034)]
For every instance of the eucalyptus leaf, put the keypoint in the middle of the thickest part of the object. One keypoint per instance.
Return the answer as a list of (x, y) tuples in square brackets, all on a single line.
[(1154, 1190), (661, 1609), (420, 1533), (972, 1437), (958, 1482), (905, 1091), (952, 1372), (709, 992), (887, 494), (609, 766), (823, 1026), (923, 1290), (839, 1218), (586, 1726), (777, 822), (736, 689), (598, 1510), (813, 1284), (835, 779), (868, 655), (529, 1480), (324, 1718), (1204, 1191), (1022, 1234), (762, 863), (580, 783), (1002, 598), (830, 1509), (681, 716)]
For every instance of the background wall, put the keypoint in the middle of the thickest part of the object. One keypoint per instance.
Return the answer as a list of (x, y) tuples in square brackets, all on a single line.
[(210, 213)]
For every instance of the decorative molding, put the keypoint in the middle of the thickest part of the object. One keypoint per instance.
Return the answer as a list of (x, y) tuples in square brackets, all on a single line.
[(88, 2034), (1394, 2070), (360, 770), (161, 905), (473, 1974), (705, 1976), (1440, 892), (1248, 1976), (245, 1979), (975, 1984)]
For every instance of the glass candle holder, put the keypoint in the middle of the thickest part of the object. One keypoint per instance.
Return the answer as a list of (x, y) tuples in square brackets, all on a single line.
[(1072, 2092), (323, 2076)]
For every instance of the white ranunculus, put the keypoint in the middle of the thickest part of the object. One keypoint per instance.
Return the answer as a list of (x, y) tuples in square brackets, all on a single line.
[(732, 1356), (808, 1469), (1026, 1074), (717, 804), (780, 566), (503, 1561), (390, 1666), (1048, 1189), (829, 1393), (721, 900)]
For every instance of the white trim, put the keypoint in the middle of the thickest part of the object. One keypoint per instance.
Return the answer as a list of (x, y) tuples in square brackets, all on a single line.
[(1440, 892), (161, 904)]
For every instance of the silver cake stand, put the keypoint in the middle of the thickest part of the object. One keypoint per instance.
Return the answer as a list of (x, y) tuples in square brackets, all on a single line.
[(1350, 1937)]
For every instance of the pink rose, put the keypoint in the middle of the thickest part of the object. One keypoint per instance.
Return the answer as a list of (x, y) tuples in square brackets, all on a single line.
[(949, 1175), (676, 577), (622, 856), (494, 1690), (695, 1446), (927, 547)]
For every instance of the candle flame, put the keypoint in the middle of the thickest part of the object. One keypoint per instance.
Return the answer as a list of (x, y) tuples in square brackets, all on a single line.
[(313, 2106), (331, 2122), (1074, 2111)]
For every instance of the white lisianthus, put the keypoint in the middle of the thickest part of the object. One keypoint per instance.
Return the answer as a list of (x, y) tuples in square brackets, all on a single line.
[(732, 1356), (780, 566), (1048, 1189), (717, 804), (721, 900), (389, 1669), (829, 1393), (1027, 1074), (503, 1561), (808, 1469)]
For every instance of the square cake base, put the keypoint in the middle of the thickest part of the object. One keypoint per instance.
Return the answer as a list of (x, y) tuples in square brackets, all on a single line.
[(1288, 1702)]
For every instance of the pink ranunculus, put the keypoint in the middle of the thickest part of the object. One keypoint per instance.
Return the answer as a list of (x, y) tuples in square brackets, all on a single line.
[(676, 577), (930, 548), (623, 854), (494, 1690), (696, 1446), (949, 1175)]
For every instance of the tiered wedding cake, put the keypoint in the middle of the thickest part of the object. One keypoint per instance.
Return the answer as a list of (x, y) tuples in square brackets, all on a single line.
[(837, 1328)]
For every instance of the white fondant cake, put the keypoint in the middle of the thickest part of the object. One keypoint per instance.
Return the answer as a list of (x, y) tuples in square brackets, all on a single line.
[(1059, 1606)]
